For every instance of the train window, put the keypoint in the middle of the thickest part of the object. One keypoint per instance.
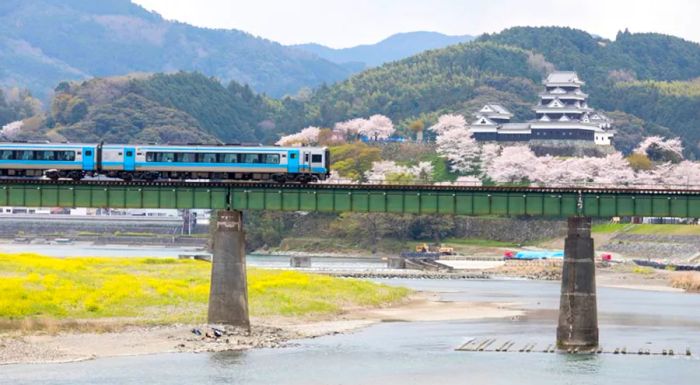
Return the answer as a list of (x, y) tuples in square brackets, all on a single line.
[(129, 153), (66, 156), (206, 158), (251, 158), (293, 155), (306, 158), (150, 157), (44, 155), (24, 155), (167, 157), (7, 155), (229, 158), (187, 157), (316, 158), (88, 153), (272, 158)]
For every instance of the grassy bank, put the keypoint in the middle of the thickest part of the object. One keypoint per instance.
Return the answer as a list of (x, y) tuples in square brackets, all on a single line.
[(147, 290), (647, 229)]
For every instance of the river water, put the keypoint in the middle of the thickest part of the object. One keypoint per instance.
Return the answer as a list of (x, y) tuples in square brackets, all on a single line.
[(424, 352), (125, 251)]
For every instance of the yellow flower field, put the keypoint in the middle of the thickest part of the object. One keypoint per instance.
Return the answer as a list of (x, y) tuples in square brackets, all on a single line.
[(164, 290)]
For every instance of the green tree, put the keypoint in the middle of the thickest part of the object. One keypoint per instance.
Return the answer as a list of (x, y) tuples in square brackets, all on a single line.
[(352, 160)]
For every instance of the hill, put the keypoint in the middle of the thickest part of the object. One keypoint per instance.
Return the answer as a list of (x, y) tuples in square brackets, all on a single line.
[(505, 68), (621, 75), (164, 108), (43, 42), (395, 47), (647, 75)]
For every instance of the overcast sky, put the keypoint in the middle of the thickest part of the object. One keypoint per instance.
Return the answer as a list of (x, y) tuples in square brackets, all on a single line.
[(347, 23)]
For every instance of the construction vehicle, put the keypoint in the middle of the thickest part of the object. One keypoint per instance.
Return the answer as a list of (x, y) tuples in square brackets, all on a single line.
[(442, 250)]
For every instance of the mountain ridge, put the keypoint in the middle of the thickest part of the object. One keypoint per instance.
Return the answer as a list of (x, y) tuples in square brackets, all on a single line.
[(395, 47), (43, 42)]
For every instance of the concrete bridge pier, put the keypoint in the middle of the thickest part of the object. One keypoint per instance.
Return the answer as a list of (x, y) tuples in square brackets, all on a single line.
[(578, 312), (300, 262), (228, 297)]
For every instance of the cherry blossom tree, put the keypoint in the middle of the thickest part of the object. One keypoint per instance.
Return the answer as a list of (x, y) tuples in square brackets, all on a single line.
[(514, 164), (350, 128), (469, 180), (660, 149), (460, 150), (423, 171), (449, 122), (612, 170), (307, 136), (335, 178), (11, 130), (685, 174), (389, 172), (377, 127), (489, 152)]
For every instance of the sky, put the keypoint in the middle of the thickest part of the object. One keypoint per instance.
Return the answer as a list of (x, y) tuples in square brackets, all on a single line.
[(348, 23)]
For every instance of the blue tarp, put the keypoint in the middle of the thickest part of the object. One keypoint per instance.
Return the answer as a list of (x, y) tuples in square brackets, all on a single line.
[(538, 254)]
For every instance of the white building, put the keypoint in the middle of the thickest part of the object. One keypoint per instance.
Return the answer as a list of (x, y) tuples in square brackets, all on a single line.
[(561, 114)]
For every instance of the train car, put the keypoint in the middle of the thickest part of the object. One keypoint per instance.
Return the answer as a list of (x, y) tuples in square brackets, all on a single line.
[(152, 162), (53, 160), (157, 162)]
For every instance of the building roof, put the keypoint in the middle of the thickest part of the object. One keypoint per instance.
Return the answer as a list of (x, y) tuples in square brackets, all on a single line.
[(563, 77), (494, 109), (561, 110), (483, 121), (572, 95)]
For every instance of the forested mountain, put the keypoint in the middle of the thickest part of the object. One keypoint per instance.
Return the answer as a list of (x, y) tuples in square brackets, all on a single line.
[(508, 68), (623, 78), (453, 78), (43, 42), (181, 107), (395, 47)]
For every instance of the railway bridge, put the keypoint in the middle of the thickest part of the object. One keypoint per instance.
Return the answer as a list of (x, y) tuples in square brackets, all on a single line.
[(228, 301)]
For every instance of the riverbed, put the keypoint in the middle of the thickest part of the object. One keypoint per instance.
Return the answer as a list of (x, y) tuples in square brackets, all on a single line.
[(424, 352)]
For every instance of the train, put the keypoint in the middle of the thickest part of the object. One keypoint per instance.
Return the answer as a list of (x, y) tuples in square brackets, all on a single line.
[(164, 162)]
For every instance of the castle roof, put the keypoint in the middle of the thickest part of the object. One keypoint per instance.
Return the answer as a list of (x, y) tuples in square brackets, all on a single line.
[(563, 78)]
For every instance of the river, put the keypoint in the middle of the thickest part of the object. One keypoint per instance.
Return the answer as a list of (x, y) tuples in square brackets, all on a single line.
[(424, 352), (126, 251)]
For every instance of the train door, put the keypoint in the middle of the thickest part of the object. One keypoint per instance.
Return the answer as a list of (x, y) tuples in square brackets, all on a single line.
[(129, 159), (88, 158), (293, 161), (305, 161)]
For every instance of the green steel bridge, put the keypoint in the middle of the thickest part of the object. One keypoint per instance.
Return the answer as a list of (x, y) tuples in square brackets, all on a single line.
[(228, 296), (409, 199)]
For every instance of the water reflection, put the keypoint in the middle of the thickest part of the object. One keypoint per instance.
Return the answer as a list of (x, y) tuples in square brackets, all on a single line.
[(579, 364), (221, 360)]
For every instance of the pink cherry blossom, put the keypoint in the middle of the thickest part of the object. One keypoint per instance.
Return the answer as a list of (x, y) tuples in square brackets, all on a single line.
[(307, 136)]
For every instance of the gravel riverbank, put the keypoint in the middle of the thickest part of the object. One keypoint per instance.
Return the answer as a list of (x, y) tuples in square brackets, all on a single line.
[(17, 347)]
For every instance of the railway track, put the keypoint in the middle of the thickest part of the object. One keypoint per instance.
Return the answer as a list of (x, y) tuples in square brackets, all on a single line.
[(328, 186)]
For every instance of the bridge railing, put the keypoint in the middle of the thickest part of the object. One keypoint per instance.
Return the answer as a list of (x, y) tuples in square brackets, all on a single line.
[(574, 185)]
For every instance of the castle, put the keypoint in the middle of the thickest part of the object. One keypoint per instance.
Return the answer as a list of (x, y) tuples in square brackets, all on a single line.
[(562, 114)]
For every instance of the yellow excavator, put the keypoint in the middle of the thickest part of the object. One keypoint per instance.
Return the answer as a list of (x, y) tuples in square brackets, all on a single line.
[(444, 250)]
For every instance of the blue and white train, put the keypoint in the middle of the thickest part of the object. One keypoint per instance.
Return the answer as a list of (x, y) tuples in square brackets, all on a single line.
[(163, 162)]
